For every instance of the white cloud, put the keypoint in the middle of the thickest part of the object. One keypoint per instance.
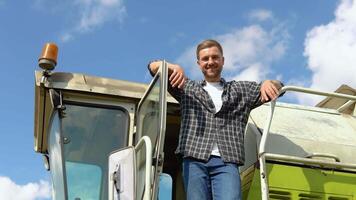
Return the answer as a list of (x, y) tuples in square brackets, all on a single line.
[(9, 190), (188, 59), (85, 15), (260, 15), (253, 72), (93, 13), (330, 50), (248, 51), (66, 37)]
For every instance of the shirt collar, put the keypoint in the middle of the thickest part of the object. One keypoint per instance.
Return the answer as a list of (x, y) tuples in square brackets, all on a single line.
[(203, 82)]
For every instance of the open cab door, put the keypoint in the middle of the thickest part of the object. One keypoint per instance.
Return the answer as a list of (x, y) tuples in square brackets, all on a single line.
[(134, 171)]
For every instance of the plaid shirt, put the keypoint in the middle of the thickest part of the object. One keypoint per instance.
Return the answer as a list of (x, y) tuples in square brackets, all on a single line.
[(201, 126)]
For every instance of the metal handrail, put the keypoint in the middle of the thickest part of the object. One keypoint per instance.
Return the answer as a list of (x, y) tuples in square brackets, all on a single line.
[(310, 161), (345, 106), (323, 155), (262, 153), (145, 140)]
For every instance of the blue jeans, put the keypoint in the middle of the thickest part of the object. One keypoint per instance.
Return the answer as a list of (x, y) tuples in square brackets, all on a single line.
[(211, 180)]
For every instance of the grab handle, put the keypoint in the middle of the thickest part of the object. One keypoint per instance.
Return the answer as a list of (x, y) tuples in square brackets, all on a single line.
[(323, 155)]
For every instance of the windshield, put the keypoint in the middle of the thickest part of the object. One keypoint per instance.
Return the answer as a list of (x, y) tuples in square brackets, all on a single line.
[(89, 135)]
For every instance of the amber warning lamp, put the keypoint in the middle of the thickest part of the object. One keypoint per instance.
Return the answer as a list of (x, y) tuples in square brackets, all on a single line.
[(48, 57)]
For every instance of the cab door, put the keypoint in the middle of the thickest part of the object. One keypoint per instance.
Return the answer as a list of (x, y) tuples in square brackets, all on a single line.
[(151, 121), (134, 171)]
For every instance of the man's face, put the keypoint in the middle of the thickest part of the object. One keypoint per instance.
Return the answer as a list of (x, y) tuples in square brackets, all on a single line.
[(211, 63)]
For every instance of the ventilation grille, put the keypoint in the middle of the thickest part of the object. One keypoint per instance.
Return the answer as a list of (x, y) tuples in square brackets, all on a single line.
[(286, 195), (338, 198), (303, 196), (281, 195)]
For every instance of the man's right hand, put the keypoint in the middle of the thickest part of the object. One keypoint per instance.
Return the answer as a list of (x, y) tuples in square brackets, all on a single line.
[(176, 75)]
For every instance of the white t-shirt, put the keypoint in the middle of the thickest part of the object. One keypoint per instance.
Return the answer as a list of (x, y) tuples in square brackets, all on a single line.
[(215, 90)]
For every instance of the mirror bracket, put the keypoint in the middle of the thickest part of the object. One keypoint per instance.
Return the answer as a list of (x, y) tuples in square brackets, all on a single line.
[(57, 101)]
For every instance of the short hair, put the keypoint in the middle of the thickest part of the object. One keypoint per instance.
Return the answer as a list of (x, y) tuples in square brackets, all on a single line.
[(207, 44)]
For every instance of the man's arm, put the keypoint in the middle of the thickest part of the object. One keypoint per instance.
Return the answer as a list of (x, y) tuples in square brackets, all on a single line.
[(175, 72), (270, 90)]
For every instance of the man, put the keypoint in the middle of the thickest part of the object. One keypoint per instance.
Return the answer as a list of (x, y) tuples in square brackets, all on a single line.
[(214, 116)]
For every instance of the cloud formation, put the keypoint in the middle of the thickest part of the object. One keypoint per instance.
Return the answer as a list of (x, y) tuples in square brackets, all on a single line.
[(249, 51), (85, 15), (11, 191), (330, 51), (260, 15), (93, 14)]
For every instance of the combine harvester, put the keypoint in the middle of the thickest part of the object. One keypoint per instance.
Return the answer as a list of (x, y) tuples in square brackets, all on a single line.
[(110, 139)]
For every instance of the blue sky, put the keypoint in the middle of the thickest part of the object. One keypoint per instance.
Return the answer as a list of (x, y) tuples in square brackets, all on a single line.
[(305, 43)]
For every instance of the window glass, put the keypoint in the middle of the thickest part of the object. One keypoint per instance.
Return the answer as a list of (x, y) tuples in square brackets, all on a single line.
[(55, 159), (165, 186), (90, 134), (85, 178), (149, 115)]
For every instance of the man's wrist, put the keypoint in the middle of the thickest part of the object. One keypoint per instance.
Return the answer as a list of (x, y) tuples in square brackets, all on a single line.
[(277, 84), (150, 69)]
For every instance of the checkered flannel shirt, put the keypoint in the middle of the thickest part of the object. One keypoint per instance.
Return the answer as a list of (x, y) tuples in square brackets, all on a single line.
[(201, 126)]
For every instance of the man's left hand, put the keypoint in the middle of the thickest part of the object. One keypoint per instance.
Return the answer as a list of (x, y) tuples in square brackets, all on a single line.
[(270, 90)]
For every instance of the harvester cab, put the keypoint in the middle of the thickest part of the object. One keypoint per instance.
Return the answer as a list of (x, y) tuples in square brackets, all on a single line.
[(80, 120)]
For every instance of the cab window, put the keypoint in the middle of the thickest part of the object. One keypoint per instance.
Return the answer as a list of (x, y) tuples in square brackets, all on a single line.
[(90, 133)]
